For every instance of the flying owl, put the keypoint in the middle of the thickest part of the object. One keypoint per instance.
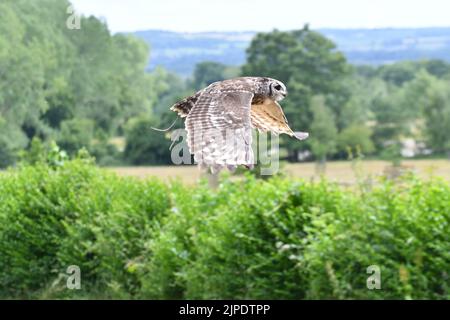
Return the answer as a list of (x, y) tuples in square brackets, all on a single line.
[(220, 118)]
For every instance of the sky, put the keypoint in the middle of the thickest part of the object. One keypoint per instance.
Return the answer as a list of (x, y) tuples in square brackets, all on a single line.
[(264, 15)]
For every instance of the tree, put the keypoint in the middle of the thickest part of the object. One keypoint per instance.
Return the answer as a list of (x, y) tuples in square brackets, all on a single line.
[(356, 137), (168, 88), (143, 144), (309, 64), (389, 116), (437, 68), (303, 55), (437, 116), (356, 110), (414, 94), (23, 65), (323, 131), (398, 73), (51, 76), (76, 134), (206, 73)]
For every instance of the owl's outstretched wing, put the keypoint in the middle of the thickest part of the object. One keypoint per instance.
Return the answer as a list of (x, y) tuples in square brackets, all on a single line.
[(219, 129), (268, 116)]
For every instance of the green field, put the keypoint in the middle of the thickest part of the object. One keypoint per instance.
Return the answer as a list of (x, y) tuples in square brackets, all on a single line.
[(340, 171)]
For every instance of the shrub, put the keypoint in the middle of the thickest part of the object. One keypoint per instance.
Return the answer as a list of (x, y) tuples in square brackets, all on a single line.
[(75, 214), (402, 228), (244, 244), (110, 235), (172, 246), (248, 239), (35, 203), (244, 250), (286, 240)]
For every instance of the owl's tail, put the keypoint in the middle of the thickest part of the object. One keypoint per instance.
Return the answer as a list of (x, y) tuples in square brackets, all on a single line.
[(164, 130)]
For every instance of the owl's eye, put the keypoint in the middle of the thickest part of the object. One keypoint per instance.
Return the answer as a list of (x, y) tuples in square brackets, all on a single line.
[(277, 87)]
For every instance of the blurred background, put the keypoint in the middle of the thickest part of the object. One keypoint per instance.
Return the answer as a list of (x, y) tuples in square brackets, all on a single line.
[(365, 80), (86, 184)]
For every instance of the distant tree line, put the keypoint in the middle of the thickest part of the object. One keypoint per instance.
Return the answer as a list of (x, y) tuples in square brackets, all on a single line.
[(89, 88)]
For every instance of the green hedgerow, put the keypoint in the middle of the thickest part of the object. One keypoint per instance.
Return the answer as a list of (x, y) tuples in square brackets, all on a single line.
[(247, 239), (287, 240), (75, 214), (404, 229)]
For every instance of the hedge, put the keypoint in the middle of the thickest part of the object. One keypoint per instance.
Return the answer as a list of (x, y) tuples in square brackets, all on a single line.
[(248, 239)]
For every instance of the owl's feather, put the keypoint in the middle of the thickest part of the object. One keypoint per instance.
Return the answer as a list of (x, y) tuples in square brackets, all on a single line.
[(267, 115), (184, 106), (219, 130)]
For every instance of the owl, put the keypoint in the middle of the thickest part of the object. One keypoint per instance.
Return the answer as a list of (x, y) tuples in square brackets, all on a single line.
[(219, 120)]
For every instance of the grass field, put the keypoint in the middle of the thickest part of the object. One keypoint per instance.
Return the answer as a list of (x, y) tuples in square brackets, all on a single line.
[(340, 171)]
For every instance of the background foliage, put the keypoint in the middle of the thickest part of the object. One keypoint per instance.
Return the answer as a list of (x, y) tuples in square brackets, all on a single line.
[(89, 88)]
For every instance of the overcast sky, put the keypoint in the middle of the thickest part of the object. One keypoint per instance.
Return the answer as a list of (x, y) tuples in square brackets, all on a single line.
[(262, 15)]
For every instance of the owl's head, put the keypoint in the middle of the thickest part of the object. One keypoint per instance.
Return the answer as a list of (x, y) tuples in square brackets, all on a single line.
[(276, 89)]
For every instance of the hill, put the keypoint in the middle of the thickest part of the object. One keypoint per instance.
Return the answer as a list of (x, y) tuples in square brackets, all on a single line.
[(180, 52)]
